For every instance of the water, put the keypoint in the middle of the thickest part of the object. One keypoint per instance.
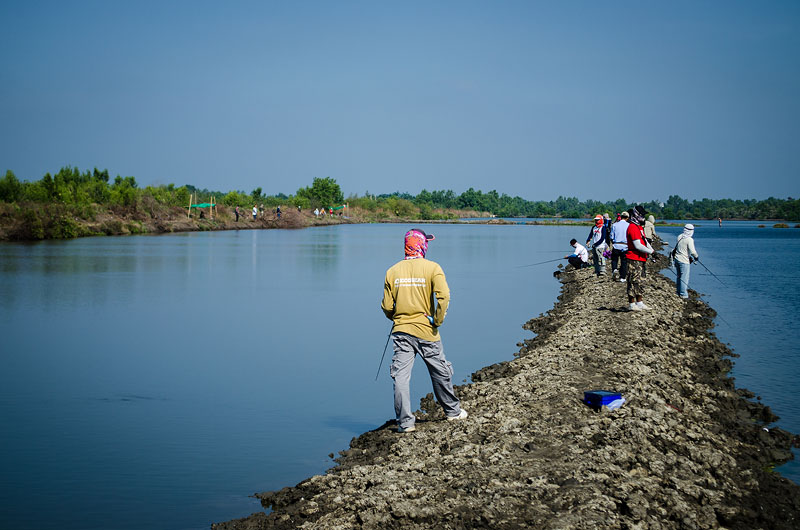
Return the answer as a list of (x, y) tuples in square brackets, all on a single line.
[(756, 297), (157, 381)]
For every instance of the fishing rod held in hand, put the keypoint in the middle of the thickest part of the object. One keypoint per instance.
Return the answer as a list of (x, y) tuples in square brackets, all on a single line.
[(711, 273), (384, 352), (540, 263)]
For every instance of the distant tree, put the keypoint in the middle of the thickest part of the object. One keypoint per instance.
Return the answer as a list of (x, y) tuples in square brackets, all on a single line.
[(10, 187), (256, 194), (323, 192)]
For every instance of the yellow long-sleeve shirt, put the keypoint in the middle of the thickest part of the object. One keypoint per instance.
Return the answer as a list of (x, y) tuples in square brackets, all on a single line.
[(412, 289)]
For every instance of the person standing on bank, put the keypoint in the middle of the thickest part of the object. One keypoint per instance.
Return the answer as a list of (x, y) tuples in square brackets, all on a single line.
[(650, 229), (619, 240), (415, 298), (638, 251), (684, 254), (598, 237)]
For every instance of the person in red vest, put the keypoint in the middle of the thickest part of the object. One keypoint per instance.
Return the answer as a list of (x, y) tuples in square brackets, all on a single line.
[(638, 251)]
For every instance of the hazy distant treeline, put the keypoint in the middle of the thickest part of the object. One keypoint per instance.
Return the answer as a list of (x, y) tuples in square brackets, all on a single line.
[(674, 208), (69, 186)]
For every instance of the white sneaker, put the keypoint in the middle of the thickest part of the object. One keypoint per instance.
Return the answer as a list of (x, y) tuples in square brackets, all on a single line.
[(623, 280), (615, 275), (402, 430), (634, 307), (461, 415), (642, 306)]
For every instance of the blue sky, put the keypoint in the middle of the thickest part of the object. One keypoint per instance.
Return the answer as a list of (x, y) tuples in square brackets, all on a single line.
[(598, 100)]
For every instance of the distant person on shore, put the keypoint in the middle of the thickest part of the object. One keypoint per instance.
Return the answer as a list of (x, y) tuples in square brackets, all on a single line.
[(316, 212), (638, 251), (650, 234), (279, 212), (619, 242), (650, 229), (598, 237), (415, 299), (683, 255), (720, 221), (255, 212), (236, 211), (580, 258)]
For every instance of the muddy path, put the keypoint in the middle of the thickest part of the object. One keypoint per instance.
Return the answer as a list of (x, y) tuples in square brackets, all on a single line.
[(687, 450)]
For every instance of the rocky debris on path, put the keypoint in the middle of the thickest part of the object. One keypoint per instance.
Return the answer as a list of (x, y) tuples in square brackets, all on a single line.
[(686, 450)]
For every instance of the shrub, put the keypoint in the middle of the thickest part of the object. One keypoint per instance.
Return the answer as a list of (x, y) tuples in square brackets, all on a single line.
[(111, 228), (135, 227), (34, 228), (65, 228)]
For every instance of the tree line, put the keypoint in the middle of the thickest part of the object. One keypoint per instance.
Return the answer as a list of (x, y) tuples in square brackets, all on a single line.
[(503, 205), (69, 186)]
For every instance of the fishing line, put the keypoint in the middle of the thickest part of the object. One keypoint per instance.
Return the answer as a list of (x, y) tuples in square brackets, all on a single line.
[(711, 273), (720, 316), (540, 263), (384, 352)]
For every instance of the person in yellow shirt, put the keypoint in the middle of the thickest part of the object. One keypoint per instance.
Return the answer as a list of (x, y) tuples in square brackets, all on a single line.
[(415, 298)]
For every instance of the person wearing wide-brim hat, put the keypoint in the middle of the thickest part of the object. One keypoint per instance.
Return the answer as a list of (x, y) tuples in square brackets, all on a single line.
[(415, 299)]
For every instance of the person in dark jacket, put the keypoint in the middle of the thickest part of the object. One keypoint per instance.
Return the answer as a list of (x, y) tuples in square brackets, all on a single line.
[(598, 239)]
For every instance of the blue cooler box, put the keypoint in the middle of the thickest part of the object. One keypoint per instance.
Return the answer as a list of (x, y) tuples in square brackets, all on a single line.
[(598, 398)]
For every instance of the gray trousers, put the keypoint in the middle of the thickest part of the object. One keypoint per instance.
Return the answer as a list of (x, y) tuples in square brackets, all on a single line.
[(406, 347)]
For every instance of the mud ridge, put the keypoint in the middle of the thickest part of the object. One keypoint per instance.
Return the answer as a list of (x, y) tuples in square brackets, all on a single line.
[(687, 450)]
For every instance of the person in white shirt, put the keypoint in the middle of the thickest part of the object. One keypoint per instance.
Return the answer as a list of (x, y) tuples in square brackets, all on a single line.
[(580, 257), (683, 255)]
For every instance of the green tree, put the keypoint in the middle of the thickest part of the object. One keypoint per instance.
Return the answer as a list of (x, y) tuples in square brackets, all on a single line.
[(323, 192), (10, 187)]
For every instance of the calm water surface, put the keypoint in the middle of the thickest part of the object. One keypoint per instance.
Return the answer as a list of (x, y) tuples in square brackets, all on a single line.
[(157, 381)]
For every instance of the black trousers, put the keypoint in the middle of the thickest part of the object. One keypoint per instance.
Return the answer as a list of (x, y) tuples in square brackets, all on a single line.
[(576, 262), (619, 256)]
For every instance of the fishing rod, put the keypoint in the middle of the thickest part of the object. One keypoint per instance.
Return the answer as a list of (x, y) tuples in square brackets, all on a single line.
[(711, 273), (720, 316), (384, 352), (540, 263)]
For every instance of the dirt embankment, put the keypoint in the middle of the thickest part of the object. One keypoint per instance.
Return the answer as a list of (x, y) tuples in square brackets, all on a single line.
[(687, 450), (32, 222)]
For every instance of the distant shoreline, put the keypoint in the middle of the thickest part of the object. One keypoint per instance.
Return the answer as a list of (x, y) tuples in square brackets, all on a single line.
[(53, 221)]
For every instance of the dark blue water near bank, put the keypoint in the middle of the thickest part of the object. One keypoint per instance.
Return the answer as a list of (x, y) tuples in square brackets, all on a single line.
[(756, 296), (157, 381)]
